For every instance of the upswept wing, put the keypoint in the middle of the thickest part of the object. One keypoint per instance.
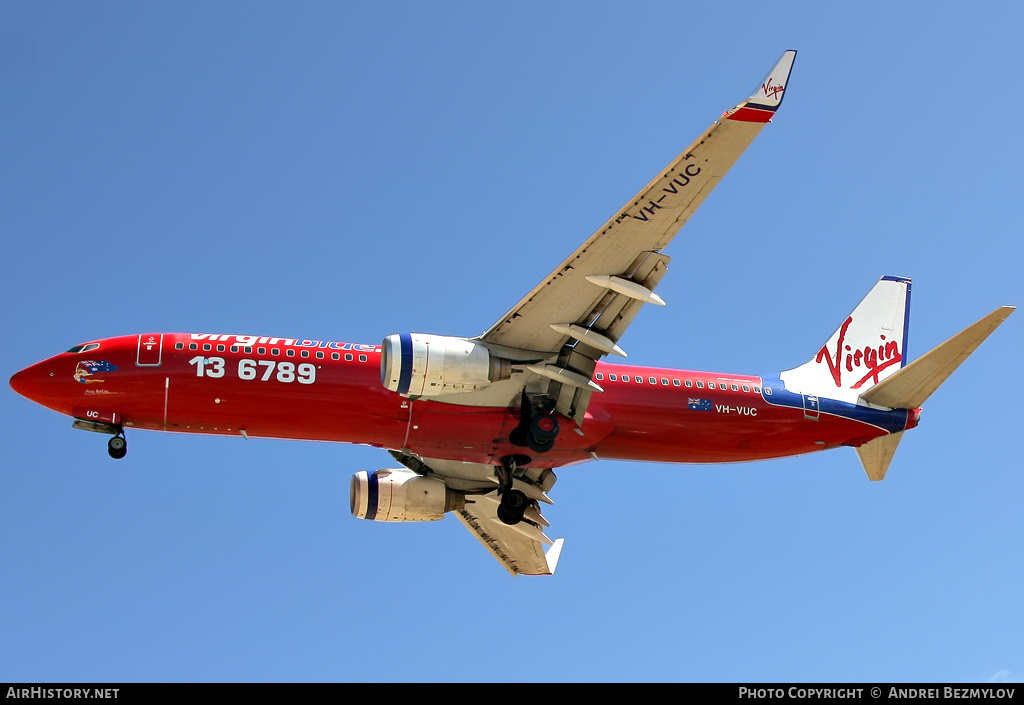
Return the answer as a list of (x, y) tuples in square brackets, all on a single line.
[(520, 548), (582, 291), (579, 313)]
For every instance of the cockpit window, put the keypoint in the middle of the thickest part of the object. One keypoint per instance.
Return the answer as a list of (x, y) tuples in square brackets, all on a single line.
[(85, 347)]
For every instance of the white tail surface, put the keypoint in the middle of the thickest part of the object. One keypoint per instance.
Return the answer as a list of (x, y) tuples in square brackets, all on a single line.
[(867, 347)]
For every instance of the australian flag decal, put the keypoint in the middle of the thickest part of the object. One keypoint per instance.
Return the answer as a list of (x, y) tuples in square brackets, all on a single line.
[(700, 405)]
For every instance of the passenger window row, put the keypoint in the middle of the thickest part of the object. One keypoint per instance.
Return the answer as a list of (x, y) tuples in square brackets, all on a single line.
[(689, 383), (276, 352)]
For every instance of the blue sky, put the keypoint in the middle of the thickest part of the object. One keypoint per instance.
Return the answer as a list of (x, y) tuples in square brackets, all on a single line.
[(348, 171)]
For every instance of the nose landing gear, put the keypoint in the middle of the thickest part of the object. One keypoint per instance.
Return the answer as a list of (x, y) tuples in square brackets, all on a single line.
[(117, 447)]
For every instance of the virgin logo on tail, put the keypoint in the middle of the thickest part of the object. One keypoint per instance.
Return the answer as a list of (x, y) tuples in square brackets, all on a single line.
[(772, 91), (874, 360)]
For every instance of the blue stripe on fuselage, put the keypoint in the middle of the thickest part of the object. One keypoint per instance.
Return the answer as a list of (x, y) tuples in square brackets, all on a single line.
[(891, 421)]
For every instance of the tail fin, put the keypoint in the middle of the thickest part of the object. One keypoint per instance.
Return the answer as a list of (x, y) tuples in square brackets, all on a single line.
[(909, 387), (868, 347)]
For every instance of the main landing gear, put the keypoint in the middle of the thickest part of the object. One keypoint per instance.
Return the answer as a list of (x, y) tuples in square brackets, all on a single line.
[(538, 427), (537, 430), (513, 502)]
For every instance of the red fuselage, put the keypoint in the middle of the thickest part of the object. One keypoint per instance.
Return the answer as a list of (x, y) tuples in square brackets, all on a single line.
[(329, 391)]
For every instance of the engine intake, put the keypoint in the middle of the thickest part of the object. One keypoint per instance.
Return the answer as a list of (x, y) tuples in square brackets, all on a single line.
[(401, 495), (414, 364)]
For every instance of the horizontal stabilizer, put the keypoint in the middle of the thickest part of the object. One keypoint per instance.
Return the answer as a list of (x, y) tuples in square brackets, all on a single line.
[(877, 454), (909, 387)]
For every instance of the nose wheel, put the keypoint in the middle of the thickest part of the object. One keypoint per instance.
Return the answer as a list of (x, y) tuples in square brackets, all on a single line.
[(117, 447)]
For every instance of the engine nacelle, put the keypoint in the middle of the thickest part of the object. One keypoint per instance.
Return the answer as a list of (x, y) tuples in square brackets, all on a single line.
[(414, 364), (401, 495)]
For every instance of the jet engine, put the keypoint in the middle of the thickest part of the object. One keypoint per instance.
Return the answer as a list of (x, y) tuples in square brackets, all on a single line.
[(414, 364), (401, 495)]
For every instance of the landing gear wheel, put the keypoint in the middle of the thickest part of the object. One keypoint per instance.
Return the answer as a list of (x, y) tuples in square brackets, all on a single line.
[(117, 447), (513, 506), (538, 447), (538, 426), (543, 431), (544, 427)]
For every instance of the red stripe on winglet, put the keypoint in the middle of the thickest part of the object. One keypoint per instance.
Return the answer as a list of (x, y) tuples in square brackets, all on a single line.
[(752, 115)]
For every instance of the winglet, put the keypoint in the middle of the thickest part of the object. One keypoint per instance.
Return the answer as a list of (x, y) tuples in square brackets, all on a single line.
[(553, 554), (764, 101)]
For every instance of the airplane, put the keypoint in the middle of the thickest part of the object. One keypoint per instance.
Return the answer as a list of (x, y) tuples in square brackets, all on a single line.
[(479, 425)]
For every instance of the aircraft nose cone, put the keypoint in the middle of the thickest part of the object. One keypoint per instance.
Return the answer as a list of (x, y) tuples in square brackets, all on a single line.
[(19, 382), (28, 382)]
